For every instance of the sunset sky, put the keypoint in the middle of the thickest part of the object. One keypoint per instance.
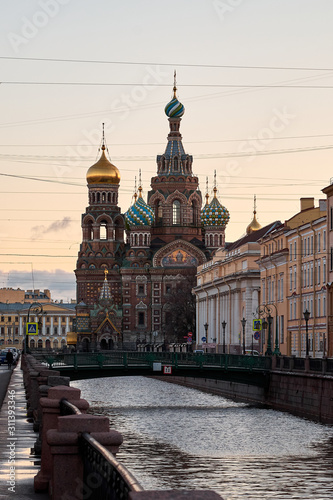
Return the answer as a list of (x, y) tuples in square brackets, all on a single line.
[(69, 65)]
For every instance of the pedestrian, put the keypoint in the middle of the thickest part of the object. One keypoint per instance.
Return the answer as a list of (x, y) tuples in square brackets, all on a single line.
[(9, 359)]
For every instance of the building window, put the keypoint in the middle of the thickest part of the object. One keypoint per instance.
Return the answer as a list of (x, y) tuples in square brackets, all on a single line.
[(141, 318), (324, 240), (331, 219), (290, 251), (319, 236), (319, 272), (281, 329), (295, 248), (102, 231), (176, 212), (167, 288), (291, 310), (324, 271), (141, 290)]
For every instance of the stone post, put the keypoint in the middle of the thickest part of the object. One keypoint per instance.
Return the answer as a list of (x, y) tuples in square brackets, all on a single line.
[(67, 463), (50, 412)]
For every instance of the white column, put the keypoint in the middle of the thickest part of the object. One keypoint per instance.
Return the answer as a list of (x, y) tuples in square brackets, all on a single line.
[(20, 326), (67, 324), (44, 326), (51, 326), (59, 326)]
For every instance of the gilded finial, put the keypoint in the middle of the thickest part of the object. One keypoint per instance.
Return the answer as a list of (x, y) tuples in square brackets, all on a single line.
[(106, 272), (174, 85), (135, 191), (140, 184), (207, 195), (103, 138), (215, 188), (254, 204)]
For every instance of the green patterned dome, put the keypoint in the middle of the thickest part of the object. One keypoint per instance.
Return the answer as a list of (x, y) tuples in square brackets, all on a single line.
[(214, 214), (140, 214)]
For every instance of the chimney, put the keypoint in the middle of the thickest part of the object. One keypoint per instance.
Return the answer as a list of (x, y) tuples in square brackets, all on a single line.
[(307, 203)]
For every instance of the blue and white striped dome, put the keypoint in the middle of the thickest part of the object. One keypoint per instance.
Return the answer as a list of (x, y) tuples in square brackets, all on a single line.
[(174, 108), (140, 214)]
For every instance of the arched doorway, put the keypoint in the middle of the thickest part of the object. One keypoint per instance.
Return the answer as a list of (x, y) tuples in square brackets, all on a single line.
[(47, 344), (85, 345), (104, 345)]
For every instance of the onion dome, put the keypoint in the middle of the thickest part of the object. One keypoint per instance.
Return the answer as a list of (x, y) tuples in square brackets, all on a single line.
[(214, 214), (174, 108), (254, 224), (140, 214), (103, 172)]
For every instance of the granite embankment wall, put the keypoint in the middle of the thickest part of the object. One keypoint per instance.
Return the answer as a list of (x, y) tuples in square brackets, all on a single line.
[(302, 394)]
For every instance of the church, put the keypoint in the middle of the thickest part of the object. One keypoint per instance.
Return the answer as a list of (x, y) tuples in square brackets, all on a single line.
[(130, 264)]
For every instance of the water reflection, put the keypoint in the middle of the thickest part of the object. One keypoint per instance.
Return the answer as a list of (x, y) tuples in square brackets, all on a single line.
[(176, 437)]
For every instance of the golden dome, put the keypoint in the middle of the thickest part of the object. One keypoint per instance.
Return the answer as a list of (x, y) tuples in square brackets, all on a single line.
[(254, 225), (103, 172)]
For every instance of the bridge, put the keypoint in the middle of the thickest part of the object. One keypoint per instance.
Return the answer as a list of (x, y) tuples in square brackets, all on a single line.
[(252, 370)]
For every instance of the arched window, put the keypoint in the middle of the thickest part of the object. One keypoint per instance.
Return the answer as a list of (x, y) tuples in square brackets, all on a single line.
[(102, 231), (175, 164), (176, 212)]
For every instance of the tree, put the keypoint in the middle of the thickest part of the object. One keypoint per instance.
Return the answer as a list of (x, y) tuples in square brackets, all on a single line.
[(179, 309)]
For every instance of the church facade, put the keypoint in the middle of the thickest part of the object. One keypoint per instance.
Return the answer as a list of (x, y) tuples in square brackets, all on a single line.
[(130, 264)]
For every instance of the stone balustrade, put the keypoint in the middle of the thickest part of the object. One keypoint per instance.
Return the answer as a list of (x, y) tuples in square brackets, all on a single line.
[(62, 471)]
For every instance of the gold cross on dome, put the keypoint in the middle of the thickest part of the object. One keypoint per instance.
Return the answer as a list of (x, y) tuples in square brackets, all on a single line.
[(106, 272)]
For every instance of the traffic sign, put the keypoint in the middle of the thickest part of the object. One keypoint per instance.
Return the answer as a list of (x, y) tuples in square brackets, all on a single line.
[(167, 370), (190, 334), (203, 339), (32, 328), (256, 336), (257, 325)]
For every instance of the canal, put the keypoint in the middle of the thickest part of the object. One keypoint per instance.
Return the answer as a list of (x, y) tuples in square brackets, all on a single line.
[(180, 438)]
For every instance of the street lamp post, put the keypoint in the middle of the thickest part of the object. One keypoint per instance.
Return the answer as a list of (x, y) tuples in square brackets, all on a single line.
[(243, 321), (206, 325), (267, 309), (37, 310), (224, 324), (269, 351), (306, 317)]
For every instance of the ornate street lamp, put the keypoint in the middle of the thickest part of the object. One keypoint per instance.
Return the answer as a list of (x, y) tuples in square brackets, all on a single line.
[(206, 325), (36, 309), (243, 321), (269, 351), (267, 309), (306, 317), (224, 324)]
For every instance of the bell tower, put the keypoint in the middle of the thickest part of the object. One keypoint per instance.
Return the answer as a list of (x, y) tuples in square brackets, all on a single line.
[(102, 230)]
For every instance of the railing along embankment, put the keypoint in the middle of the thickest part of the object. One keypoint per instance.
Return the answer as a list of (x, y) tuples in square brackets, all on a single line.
[(78, 450)]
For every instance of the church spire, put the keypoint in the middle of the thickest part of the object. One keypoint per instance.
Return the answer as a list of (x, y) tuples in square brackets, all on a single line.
[(254, 224), (105, 291)]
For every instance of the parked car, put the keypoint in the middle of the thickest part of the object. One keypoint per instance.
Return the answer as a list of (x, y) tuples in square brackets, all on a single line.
[(4, 353)]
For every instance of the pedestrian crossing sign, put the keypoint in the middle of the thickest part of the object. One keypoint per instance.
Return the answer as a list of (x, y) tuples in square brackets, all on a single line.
[(257, 325), (32, 328)]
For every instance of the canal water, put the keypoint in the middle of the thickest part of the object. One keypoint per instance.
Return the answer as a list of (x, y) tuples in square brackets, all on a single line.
[(181, 438)]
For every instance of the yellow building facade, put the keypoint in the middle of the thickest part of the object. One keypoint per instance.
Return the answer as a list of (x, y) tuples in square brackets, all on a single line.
[(293, 278), (55, 324)]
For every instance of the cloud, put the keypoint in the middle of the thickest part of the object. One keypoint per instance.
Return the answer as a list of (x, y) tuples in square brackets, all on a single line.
[(60, 225), (61, 283)]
